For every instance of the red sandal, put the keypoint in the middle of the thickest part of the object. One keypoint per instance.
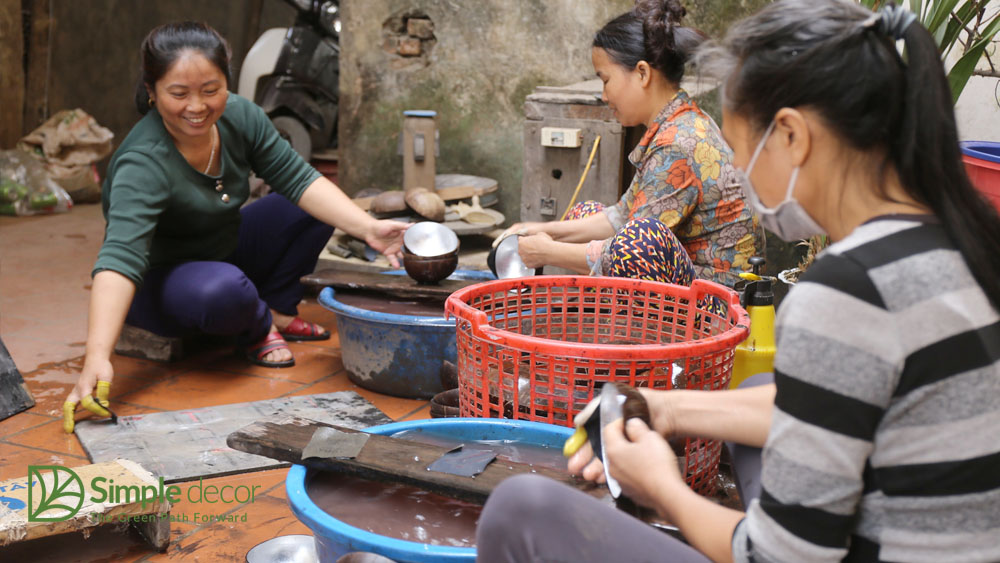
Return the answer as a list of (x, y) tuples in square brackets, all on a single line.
[(273, 341), (299, 330)]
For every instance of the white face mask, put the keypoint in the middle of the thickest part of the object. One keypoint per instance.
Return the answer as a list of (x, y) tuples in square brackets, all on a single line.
[(788, 220)]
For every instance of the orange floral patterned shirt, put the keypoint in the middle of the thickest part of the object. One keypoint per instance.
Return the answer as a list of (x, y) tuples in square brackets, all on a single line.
[(685, 178)]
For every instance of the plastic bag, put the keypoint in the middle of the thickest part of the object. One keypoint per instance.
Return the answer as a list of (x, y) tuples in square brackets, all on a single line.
[(26, 188), (69, 144)]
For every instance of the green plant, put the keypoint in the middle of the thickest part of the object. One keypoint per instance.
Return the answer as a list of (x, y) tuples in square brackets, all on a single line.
[(946, 20), (966, 24)]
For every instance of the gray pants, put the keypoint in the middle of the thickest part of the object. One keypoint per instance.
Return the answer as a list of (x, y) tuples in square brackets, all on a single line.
[(533, 519)]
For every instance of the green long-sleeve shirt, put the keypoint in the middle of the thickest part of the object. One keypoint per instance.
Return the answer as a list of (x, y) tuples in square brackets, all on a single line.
[(161, 211)]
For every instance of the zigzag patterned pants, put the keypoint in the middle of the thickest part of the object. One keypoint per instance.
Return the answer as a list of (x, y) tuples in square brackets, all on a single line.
[(643, 249)]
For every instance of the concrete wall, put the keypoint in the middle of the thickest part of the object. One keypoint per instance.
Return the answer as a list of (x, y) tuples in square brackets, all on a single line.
[(978, 110), (484, 58)]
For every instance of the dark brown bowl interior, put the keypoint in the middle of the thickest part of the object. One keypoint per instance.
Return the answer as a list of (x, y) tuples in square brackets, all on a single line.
[(445, 404), (429, 269)]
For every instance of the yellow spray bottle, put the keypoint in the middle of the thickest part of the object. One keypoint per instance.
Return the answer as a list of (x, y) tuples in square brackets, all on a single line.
[(756, 354)]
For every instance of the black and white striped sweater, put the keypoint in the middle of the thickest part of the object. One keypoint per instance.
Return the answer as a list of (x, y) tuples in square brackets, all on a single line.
[(885, 440)]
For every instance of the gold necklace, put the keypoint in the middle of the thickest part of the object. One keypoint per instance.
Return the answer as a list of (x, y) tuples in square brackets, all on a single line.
[(211, 155)]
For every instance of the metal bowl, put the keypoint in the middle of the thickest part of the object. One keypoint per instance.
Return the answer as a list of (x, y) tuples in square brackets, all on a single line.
[(429, 269), (430, 239), (505, 261), (295, 548)]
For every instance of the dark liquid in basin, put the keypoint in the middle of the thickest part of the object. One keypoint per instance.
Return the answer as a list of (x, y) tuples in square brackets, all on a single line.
[(382, 303), (410, 513)]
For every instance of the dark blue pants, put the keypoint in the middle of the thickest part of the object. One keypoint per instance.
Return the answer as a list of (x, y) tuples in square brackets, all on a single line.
[(278, 244)]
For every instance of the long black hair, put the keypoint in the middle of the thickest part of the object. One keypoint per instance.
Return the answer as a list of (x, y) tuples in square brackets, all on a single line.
[(840, 60), (165, 43), (651, 32)]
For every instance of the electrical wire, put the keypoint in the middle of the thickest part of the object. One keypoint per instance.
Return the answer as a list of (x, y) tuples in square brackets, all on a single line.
[(583, 177)]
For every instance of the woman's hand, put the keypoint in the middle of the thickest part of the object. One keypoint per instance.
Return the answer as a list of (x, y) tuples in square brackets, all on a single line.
[(584, 464), (522, 229), (661, 411), (535, 250), (642, 463), (94, 381), (387, 237)]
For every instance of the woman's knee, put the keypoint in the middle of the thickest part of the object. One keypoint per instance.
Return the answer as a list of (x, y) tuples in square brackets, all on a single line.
[(532, 498), (217, 286), (647, 249)]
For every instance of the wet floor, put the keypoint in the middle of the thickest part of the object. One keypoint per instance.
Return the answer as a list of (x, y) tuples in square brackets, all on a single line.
[(45, 265)]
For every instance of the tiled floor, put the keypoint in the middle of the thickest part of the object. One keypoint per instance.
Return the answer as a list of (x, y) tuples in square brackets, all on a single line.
[(45, 267)]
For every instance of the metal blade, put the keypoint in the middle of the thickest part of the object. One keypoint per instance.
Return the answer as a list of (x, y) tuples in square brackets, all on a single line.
[(611, 410)]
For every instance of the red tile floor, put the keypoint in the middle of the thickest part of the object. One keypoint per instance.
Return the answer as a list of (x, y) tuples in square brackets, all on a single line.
[(45, 267)]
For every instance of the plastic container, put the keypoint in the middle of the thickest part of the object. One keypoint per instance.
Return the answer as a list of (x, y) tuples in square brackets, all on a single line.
[(536, 348), (398, 355), (334, 538), (982, 163)]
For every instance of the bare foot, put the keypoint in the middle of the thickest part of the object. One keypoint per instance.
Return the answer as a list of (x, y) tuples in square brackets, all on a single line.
[(281, 321), (279, 355)]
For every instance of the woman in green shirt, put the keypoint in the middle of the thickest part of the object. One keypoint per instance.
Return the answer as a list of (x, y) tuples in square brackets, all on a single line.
[(179, 253)]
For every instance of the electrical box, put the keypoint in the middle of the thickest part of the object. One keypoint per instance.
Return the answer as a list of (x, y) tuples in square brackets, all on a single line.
[(562, 137)]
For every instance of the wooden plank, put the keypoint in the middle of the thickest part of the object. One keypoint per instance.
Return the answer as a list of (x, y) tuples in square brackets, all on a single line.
[(14, 395), (401, 286), (11, 74), (79, 493), (36, 108), (389, 459), (552, 174)]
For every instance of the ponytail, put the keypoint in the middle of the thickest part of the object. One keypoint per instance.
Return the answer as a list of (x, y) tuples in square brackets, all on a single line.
[(925, 151), (840, 60)]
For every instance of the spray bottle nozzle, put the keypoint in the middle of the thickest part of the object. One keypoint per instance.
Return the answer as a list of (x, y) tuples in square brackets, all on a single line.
[(758, 288)]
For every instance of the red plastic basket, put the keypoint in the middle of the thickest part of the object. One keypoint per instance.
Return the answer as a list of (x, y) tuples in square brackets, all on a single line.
[(542, 343)]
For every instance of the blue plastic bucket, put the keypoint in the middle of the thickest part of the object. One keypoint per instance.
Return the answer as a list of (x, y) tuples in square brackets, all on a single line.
[(334, 538), (397, 355)]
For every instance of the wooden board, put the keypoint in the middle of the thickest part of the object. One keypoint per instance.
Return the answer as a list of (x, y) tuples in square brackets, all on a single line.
[(78, 493), (545, 195), (11, 73), (37, 75), (401, 286), (188, 444), (390, 460), (14, 395)]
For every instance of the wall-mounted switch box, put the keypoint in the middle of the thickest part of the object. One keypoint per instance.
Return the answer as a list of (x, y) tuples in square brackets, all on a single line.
[(547, 206), (562, 137)]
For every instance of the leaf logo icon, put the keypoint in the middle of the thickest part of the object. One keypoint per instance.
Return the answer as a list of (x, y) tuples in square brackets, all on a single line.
[(57, 494)]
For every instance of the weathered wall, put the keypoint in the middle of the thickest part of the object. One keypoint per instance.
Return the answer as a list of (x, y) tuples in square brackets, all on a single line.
[(95, 48), (485, 57)]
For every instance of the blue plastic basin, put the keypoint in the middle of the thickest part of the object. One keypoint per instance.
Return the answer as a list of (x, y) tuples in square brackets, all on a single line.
[(397, 355), (334, 538)]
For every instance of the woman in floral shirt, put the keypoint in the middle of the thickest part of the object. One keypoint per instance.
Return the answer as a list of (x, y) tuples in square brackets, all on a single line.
[(684, 215)]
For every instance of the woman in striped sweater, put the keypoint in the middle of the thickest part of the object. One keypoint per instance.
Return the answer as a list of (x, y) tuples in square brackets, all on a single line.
[(881, 432)]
